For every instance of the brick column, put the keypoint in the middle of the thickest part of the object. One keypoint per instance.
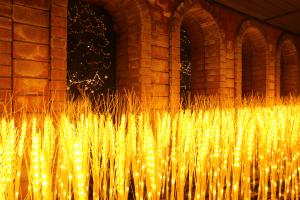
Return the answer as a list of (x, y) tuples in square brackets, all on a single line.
[(5, 51), (228, 72), (160, 57), (270, 73), (58, 51)]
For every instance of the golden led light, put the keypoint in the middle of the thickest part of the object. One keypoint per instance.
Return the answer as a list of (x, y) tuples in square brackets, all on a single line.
[(219, 153)]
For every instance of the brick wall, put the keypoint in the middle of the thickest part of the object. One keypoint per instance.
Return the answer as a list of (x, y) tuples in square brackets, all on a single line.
[(33, 42), (5, 51), (30, 53), (160, 15)]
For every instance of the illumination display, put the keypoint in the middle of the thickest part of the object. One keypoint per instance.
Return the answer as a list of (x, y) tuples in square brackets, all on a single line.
[(186, 63), (207, 152), (91, 43)]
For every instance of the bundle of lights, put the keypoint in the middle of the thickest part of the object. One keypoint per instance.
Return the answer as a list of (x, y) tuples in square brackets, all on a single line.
[(213, 152)]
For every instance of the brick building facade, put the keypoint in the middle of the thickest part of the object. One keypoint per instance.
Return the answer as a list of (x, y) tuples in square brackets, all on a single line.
[(33, 40)]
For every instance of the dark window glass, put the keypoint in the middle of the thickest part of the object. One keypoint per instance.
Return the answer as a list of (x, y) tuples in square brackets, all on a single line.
[(91, 50), (186, 64)]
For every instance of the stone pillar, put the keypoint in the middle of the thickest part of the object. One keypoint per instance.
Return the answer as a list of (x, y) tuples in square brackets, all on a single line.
[(5, 53), (58, 52), (228, 72), (160, 54)]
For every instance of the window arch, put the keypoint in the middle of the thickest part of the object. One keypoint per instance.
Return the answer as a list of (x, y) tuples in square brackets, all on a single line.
[(287, 67), (207, 50), (251, 62), (133, 49)]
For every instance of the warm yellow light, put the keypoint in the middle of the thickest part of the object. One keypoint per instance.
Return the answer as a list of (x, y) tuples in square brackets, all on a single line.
[(212, 152)]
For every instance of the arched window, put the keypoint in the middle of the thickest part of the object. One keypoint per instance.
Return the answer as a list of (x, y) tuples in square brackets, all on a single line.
[(195, 53), (289, 69), (185, 64), (253, 64), (91, 50)]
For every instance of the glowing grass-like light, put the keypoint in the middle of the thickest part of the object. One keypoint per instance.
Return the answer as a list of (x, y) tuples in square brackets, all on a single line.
[(215, 152)]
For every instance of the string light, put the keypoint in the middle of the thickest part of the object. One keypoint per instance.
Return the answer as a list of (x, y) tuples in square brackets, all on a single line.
[(221, 153)]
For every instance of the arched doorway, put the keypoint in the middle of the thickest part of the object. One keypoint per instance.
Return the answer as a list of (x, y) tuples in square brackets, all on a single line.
[(288, 68), (251, 58), (206, 48)]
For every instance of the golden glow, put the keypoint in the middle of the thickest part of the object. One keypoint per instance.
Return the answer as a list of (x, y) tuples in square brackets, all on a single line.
[(220, 152)]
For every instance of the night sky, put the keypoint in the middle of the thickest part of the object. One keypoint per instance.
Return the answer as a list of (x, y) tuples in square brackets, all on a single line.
[(91, 49)]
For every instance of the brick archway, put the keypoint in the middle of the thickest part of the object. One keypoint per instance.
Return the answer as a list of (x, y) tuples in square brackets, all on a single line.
[(252, 72), (287, 67), (208, 50), (133, 25)]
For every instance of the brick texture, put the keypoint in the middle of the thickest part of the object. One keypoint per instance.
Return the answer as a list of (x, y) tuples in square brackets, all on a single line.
[(31, 16), (30, 54), (58, 58), (232, 55), (5, 52)]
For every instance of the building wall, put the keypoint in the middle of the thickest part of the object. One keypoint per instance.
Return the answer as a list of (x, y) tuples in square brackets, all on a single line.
[(5, 50), (33, 40)]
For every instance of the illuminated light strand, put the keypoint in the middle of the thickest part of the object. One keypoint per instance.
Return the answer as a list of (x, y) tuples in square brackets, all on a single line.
[(35, 161), (229, 152)]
